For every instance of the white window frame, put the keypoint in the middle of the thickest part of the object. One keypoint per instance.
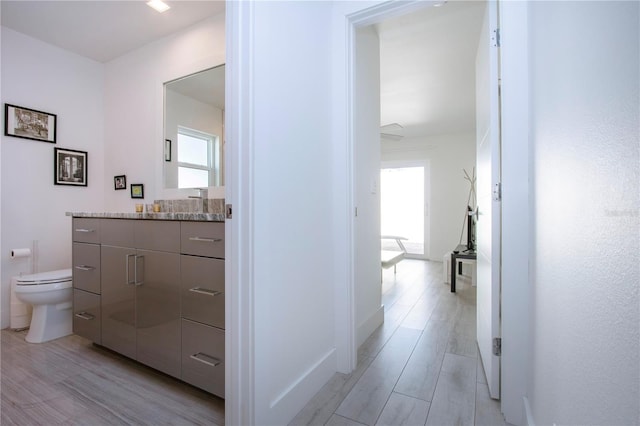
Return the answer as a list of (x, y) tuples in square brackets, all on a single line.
[(213, 161)]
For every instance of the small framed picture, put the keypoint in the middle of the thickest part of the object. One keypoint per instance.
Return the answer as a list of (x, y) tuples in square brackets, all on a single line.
[(26, 123), (120, 182), (137, 190), (70, 167), (167, 150)]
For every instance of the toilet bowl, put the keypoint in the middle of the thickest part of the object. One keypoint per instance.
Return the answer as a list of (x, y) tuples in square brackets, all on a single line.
[(50, 294)]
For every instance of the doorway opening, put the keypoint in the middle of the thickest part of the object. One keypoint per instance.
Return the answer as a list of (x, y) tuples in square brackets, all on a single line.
[(403, 207)]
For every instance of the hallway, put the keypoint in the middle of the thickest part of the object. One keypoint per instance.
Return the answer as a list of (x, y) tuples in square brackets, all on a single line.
[(420, 367)]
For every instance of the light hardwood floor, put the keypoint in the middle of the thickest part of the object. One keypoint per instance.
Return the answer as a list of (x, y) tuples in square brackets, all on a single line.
[(420, 367), (70, 381)]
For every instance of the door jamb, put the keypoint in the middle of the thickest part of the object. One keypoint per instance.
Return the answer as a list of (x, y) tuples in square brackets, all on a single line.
[(348, 23)]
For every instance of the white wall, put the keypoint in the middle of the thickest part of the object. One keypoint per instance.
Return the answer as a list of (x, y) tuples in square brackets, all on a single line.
[(448, 155), (369, 312), (585, 134), (39, 76), (133, 105), (294, 351)]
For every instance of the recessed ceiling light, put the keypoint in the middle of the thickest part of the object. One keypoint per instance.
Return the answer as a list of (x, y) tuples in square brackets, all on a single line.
[(158, 5)]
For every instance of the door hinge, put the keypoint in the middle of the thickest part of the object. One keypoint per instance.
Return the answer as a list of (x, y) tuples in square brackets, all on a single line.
[(356, 212), (497, 191), (497, 346), (495, 38), (229, 211)]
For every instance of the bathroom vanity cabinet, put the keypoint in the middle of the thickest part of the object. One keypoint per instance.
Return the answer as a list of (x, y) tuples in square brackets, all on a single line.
[(140, 301), (160, 293), (202, 314), (86, 279)]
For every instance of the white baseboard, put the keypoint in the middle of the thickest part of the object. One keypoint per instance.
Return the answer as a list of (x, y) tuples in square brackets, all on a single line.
[(369, 325), (528, 416), (289, 402)]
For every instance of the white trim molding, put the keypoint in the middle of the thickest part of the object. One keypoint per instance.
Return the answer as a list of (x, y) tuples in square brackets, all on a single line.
[(516, 208), (348, 16), (239, 241)]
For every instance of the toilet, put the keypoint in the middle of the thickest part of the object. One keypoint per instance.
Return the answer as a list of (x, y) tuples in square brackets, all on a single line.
[(50, 294)]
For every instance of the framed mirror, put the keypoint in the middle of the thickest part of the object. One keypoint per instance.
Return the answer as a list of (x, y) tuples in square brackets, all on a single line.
[(193, 128)]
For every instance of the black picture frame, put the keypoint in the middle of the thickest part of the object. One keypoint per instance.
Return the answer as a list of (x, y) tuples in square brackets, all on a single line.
[(119, 182), (70, 167), (137, 190), (27, 123), (167, 150)]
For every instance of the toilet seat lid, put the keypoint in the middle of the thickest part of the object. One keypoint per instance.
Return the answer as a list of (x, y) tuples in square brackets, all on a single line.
[(49, 277)]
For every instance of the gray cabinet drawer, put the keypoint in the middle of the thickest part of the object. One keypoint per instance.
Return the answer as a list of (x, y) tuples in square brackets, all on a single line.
[(202, 239), (86, 315), (86, 267), (86, 230), (157, 235), (117, 232), (202, 282), (203, 356)]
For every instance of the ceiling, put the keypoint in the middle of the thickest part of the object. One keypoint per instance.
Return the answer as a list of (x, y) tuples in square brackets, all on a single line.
[(427, 69), (102, 30), (427, 57)]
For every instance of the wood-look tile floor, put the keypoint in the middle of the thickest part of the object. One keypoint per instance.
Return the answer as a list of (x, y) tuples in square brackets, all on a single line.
[(70, 381), (421, 367)]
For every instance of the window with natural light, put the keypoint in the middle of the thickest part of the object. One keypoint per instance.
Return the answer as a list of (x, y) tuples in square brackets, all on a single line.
[(196, 162), (402, 206)]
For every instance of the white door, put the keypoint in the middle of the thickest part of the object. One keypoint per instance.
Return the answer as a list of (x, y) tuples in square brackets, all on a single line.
[(488, 224)]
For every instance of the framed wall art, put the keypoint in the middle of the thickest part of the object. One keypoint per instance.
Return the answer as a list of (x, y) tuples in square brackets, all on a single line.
[(26, 123), (137, 190), (70, 167), (120, 182)]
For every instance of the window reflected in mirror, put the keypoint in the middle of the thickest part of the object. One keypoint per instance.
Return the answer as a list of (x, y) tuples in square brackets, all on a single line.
[(194, 120)]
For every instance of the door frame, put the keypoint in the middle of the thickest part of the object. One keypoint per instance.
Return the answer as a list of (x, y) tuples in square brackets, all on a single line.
[(516, 191), (517, 209), (347, 18)]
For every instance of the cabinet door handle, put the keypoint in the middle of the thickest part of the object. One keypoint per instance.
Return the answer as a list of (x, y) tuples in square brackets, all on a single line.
[(85, 230), (85, 316), (85, 268), (127, 271), (205, 240), (206, 291), (206, 359), (135, 269)]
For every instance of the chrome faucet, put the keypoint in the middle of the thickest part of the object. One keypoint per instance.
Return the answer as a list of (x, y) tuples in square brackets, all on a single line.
[(203, 194)]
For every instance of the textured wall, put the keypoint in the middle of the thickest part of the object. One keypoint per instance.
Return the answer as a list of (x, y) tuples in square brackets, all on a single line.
[(585, 109)]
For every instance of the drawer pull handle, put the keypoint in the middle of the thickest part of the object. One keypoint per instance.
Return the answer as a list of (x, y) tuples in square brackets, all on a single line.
[(135, 271), (205, 291), (127, 270), (206, 359), (85, 268), (85, 230), (205, 240), (85, 316)]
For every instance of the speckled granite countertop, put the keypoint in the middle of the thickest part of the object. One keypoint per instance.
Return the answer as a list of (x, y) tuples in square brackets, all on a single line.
[(196, 217)]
